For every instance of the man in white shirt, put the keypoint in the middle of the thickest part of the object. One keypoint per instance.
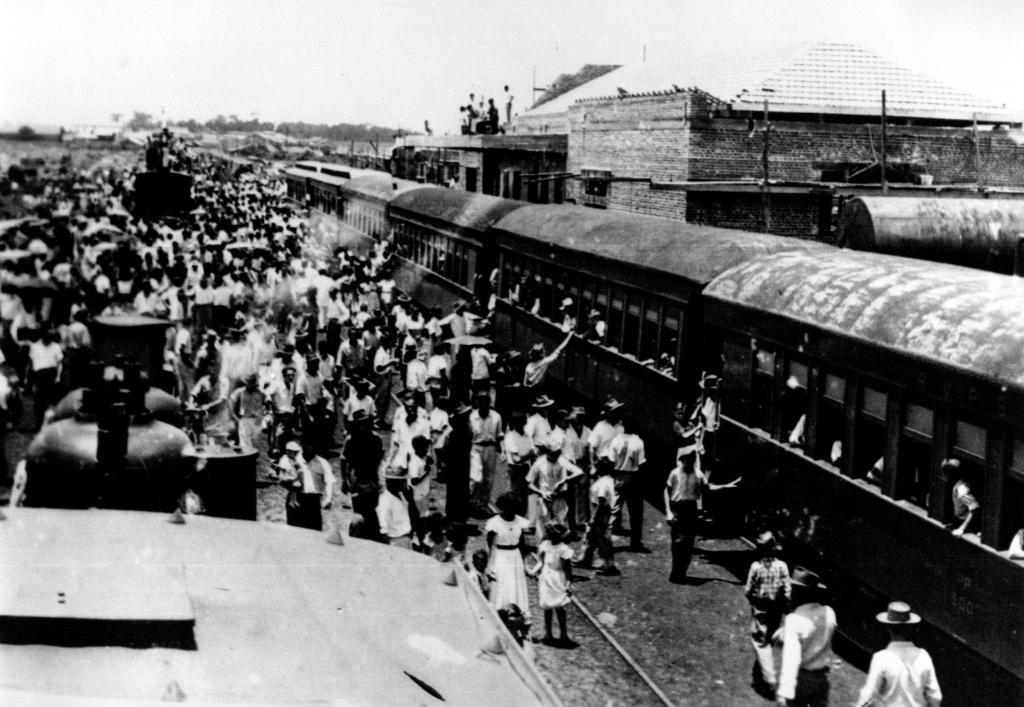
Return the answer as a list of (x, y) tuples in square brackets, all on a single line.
[(538, 365), (538, 426), (486, 428), (45, 356), (416, 378), (481, 359), (901, 673), (806, 644), (393, 510), (629, 455), (606, 429)]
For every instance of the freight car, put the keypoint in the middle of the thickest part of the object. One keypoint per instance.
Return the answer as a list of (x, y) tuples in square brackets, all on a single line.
[(847, 378)]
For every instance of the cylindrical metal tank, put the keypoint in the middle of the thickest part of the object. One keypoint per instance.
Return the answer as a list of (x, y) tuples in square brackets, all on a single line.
[(63, 471), (134, 337), (981, 233), (164, 406), (225, 479)]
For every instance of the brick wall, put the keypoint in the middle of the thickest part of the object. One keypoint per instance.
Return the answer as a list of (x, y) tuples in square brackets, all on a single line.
[(728, 149), (642, 136), (791, 214), (555, 123)]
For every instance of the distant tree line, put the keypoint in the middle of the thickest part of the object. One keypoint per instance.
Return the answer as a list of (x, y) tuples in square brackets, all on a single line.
[(341, 132)]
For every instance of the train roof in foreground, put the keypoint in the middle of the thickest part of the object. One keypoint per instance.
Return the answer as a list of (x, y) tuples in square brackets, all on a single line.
[(276, 614), (379, 186), (950, 315), (468, 210), (692, 251)]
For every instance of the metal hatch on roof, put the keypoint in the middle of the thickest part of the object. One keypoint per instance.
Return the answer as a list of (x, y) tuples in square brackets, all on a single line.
[(119, 605)]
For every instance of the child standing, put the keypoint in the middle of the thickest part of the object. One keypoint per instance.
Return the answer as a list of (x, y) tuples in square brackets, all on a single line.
[(555, 569), (477, 572), (604, 501)]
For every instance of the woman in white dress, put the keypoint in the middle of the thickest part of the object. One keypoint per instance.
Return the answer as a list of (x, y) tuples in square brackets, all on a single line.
[(505, 541)]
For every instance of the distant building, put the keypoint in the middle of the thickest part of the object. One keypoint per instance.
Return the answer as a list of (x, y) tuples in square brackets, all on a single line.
[(523, 167), (688, 140), (101, 133)]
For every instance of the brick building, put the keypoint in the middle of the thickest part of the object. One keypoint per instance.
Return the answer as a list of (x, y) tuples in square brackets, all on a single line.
[(691, 141)]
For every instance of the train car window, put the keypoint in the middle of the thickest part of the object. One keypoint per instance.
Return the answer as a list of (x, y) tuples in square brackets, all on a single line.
[(615, 319), (970, 439), (1017, 460), (736, 379), (577, 306), (601, 298), (915, 454), (649, 331), (547, 292), (871, 436), (969, 446), (763, 388), (831, 428), (1013, 495), (794, 404), (631, 328), (470, 266), (456, 273), (668, 342)]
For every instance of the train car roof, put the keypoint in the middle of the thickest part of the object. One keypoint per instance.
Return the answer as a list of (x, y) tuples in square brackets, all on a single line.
[(280, 615), (460, 208), (695, 252), (380, 185), (957, 316), (324, 178)]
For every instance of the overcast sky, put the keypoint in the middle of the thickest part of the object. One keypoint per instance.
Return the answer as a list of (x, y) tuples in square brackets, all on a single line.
[(397, 62)]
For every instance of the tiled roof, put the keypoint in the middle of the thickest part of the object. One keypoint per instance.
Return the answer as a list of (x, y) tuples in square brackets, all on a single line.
[(825, 77)]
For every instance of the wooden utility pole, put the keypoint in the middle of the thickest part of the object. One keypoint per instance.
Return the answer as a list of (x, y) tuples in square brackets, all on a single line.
[(766, 208), (977, 150), (885, 182)]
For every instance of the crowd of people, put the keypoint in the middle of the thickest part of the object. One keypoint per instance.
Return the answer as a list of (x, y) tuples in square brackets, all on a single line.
[(483, 117), (303, 348)]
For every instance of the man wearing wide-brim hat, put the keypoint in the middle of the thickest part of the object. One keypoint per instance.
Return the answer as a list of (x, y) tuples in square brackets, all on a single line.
[(806, 644), (901, 673), (538, 423)]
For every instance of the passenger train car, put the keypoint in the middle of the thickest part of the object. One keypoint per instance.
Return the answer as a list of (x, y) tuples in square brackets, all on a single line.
[(846, 379)]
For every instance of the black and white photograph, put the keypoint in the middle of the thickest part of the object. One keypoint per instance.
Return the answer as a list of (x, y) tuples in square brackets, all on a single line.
[(579, 353)]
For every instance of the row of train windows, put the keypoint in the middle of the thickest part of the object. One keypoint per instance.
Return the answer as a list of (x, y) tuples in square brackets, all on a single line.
[(916, 446), (636, 324), (452, 259), (323, 199), (365, 218)]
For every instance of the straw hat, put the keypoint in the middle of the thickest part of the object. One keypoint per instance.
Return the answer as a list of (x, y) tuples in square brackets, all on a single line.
[(898, 614), (542, 401)]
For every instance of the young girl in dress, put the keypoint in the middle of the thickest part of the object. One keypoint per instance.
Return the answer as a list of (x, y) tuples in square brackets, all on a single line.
[(554, 569)]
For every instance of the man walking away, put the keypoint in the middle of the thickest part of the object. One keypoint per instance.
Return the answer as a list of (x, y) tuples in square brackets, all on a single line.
[(768, 592), (806, 644)]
